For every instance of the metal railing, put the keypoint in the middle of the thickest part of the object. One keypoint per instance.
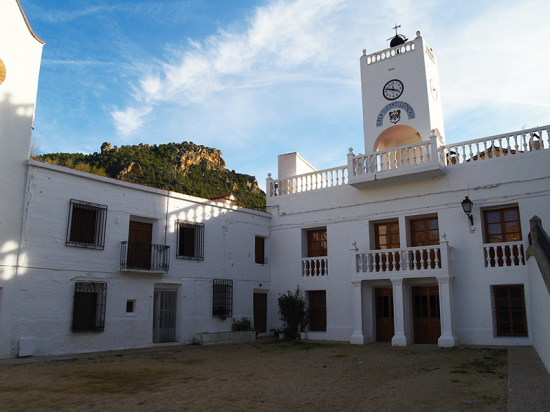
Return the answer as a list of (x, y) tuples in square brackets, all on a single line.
[(143, 256)]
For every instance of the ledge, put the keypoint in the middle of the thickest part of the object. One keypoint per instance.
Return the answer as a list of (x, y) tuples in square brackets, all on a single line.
[(208, 338)]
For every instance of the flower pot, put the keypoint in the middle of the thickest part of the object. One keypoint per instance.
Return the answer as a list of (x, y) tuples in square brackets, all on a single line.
[(303, 335), (281, 336), (235, 327)]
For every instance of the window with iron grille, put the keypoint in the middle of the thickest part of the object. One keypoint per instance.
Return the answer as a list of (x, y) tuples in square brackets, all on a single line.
[(259, 250), (509, 306), (317, 310), (190, 240), (89, 307), (86, 227), (222, 306)]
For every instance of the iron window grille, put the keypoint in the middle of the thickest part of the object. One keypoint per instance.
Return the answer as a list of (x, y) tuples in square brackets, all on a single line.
[(86, 226), (190, 240), (89, 307), (222, 306)]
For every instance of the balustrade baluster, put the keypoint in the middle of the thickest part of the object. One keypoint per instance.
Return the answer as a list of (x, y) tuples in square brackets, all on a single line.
[(547, 137), (393, 259), (477, 148), (488, 256), (421, 152), (436, 260), (429, 260), (470, 148), (359, 259), (516, 146), (524, 142), (394, 159), (415, 261), (369, 262), (408, 157), (485, 150), (508, 145), (401, 154)]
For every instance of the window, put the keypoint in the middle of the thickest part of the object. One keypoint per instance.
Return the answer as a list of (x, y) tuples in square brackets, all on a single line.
[(130, 306), (86, 226), (259, 250), (386, 236), (222, 306), (501, 226), (89, 307), (317, 310), (425, 232), (190, 240), (509, 305), (317, 243)]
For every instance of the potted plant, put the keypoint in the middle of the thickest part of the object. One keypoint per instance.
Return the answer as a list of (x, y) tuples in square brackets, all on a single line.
[(292, 308), (235, 325), (221, 312), (244, 323)]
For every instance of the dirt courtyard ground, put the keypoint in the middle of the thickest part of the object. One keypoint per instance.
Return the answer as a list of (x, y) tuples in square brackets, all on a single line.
[(265, 376)]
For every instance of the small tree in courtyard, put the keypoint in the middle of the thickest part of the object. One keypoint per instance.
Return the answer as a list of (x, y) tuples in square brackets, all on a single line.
[(292, 308)]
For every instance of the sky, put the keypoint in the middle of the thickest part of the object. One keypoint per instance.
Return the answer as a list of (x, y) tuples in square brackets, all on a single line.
[(259, 78)]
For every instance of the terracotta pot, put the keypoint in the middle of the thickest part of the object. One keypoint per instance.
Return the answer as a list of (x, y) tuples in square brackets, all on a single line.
[(235, 327)]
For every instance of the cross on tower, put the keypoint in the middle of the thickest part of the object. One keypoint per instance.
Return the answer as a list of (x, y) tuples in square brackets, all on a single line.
[(396, 27)]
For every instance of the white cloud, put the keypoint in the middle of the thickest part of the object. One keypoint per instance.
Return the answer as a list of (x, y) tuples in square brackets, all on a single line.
[(131, 119), (280, 37)]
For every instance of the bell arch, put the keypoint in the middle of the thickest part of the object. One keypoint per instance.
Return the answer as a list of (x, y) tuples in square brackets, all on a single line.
[(395, 136)]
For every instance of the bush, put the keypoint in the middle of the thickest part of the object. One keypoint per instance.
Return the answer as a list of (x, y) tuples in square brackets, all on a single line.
[(292, 308)]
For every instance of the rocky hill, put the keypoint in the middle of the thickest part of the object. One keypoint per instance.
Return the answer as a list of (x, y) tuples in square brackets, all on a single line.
[(181, 167)]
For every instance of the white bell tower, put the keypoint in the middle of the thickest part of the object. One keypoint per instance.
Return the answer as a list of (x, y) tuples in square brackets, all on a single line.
[(400, 91)]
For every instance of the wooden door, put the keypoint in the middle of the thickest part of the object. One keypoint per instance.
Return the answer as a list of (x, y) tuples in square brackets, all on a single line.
[(260, 312), (426, 321), (384, 314), (164, 316), (139, 245)]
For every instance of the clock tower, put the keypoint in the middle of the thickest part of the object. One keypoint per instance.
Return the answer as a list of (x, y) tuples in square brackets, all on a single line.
[(400, 92)]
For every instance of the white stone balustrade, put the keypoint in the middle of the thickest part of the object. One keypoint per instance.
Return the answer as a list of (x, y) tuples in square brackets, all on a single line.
[(403, 259), (508, 144), (316, 266), (398, 157), (320, 179), (504, 254), (391, 52)]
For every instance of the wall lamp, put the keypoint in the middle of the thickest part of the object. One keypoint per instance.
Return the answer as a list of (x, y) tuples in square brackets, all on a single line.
[(467, 206)]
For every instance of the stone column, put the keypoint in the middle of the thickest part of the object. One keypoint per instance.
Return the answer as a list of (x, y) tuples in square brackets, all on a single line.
[(399, 338), (447, 338), (357, 338)]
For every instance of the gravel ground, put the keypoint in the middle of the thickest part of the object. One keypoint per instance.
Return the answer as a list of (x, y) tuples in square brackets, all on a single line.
[(265, 376)]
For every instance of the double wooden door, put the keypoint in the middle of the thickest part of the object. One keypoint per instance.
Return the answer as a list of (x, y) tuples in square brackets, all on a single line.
[(426, 320)]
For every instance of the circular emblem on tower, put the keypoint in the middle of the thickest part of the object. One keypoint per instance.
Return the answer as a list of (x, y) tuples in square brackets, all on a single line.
[(2, 71)]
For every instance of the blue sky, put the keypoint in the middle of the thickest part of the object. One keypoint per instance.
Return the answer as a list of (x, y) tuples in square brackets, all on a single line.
[(256, 79)]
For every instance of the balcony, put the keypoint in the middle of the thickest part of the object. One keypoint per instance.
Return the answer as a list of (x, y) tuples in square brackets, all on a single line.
[(316, 266), (503, 254), (142, 257), (397, 165), (411, 262)]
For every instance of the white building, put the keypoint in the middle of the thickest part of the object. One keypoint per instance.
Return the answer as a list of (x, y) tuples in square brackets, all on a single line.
[(380, 245)]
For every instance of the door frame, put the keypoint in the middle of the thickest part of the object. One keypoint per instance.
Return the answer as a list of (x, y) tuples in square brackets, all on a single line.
[(168, 287)]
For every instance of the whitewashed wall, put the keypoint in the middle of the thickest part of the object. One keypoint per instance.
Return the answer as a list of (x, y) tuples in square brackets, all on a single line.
[(20, 53), (49, 268), (349, 213), (540, 312)]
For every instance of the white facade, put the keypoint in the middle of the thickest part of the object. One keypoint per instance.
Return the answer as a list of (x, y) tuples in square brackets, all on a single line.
[(380, 245), (394, 234), (20, 55)]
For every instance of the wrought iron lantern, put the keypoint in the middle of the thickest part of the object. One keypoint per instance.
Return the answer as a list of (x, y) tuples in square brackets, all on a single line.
[(467, 206)]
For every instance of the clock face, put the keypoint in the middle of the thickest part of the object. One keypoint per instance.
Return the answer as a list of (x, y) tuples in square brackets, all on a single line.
[(433, 89), (2, 71), (392, 89)]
